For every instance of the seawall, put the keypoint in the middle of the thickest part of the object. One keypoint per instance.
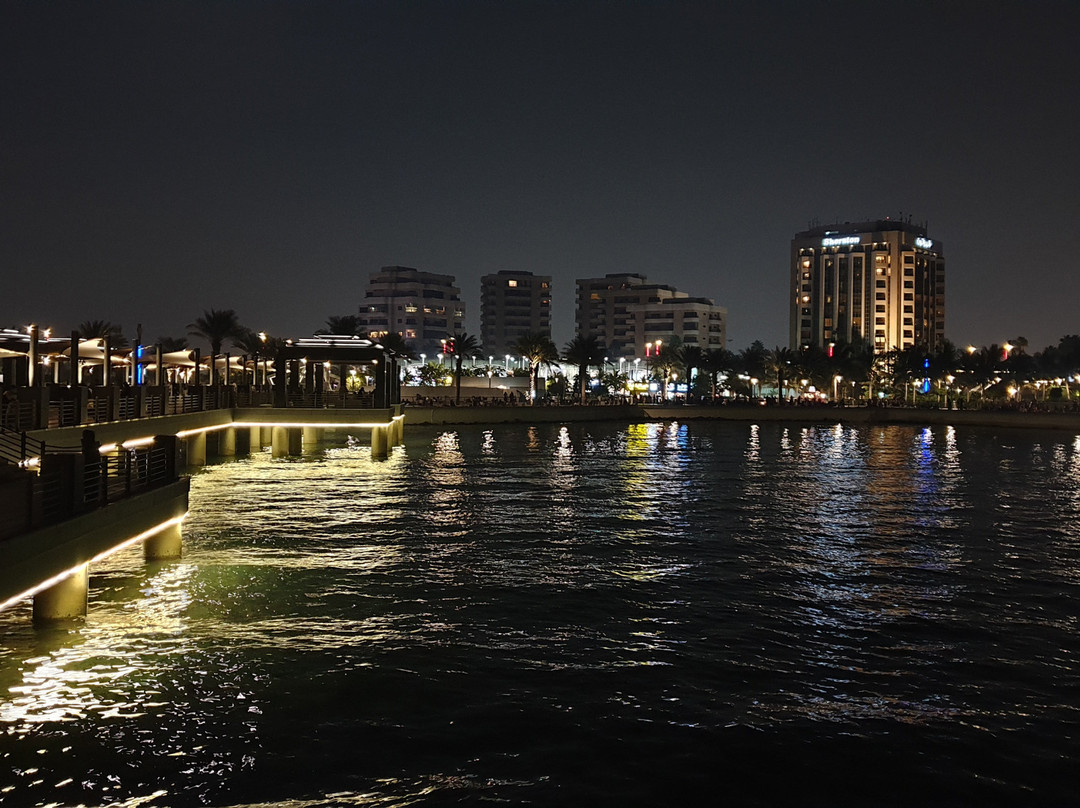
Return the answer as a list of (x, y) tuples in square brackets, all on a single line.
[(800, 415)]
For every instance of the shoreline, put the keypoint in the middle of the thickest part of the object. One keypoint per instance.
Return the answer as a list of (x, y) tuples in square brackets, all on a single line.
[(808, 415)]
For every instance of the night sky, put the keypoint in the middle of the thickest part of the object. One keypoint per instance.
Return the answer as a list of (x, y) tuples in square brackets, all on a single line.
[(158, 159)]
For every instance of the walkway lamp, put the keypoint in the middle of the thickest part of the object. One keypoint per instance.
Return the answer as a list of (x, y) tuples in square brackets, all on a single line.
[(508, 364), (835, 386)]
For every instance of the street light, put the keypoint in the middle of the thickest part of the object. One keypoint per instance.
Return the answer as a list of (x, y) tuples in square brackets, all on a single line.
[(835, 384), (507, 363)]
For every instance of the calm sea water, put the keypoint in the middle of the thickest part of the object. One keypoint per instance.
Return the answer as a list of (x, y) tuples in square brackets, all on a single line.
[(651, 614)]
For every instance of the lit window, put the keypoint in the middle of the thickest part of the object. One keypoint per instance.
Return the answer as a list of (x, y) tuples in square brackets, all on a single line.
[(511, 283)]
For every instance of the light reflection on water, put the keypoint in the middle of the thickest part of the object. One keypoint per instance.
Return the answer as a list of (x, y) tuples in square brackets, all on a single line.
[(488, 608)]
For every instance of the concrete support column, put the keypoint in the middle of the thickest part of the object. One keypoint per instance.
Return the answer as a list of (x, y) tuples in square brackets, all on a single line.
[(311, 436), (165, 544), (267, 435), (296, 437), (279, 441), (227, 442), (398, 426), (196, 449), (379, 441), (255, 439), (64, 600)]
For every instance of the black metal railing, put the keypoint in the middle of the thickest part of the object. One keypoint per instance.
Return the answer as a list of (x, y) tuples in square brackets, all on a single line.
[(17, 416), (16, 447), (66, 486)]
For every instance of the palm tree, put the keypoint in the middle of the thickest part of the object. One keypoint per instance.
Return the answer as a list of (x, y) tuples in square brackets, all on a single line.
[(781, 362), (715, 362), (583, 351), (461, 345), (346, 325), (668, 360), (538, 348), (692, 358), (216, 326), (397, 344), (102, 329), (172, 344), (752, 361)]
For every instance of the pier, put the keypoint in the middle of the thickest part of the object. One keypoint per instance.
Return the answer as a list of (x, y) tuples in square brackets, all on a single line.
[(87, 471)]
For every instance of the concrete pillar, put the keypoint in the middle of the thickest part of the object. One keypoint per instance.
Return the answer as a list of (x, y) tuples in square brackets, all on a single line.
[(267, 435), (279, 441), (164, 544), (379, 440), (255, 439), (399, 431), (64, 600), (311, 436), (227, 442), (196, 449), (296, 436)]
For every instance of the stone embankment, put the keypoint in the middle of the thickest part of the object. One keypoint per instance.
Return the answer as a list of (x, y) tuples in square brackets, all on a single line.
[(999, 419)]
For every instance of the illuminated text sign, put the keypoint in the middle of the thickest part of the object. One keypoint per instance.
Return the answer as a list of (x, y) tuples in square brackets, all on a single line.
[(925, 243), (840, 241)]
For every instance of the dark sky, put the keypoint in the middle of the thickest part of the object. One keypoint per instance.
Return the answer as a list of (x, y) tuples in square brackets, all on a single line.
[(158, 159)]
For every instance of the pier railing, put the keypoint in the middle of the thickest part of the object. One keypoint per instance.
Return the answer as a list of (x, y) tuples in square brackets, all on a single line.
[(64, 482), (57, 406)]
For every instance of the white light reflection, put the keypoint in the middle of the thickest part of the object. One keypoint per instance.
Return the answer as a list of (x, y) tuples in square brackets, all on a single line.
[(87, 677)]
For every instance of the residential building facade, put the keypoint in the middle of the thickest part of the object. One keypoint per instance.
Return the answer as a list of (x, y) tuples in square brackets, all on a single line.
[(422, 307), (513, 304), (880, 282), (693, 320), (626, 312)]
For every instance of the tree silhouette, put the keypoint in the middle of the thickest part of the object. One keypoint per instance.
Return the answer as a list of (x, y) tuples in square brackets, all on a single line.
[(583, 351), (216, 326), (691, 357), (461, 345), (397, 344), (668, 360), (101, 329), (346, 325), (781, 362), (714, 362), (538, 349), (172, 344)]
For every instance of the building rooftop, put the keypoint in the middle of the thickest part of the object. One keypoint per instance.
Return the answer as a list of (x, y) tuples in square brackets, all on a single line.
[(874, 225)]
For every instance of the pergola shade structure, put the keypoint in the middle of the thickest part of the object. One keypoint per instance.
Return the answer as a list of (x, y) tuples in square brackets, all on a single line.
[(307, 366)]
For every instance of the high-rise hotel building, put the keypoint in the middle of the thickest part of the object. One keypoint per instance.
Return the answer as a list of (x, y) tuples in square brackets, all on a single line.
[(879, 282), (513, 304)]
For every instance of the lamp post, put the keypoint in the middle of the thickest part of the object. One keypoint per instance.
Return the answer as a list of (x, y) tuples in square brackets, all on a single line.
[(265, 358), (835, 387), (506, 364)]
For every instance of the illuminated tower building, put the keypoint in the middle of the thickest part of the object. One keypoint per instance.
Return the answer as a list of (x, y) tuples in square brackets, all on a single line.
[(880, 282), (513, 304)]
